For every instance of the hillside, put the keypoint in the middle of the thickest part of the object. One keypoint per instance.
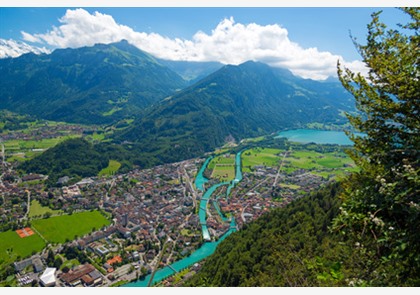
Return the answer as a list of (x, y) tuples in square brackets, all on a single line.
[(295, 247), (98, 84), (235, 102), (73, 157), (287, 247), (192, 71)]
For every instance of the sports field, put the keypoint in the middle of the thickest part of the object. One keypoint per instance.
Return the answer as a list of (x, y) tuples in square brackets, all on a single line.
[(14, 248), (61, 228)]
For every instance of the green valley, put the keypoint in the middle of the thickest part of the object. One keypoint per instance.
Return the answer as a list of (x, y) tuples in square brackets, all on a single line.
[(234, 163)]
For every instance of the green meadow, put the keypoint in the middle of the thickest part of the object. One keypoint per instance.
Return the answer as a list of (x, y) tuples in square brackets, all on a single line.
[(15, 248), (260, 156), (112, 167), (319, 163), (59, 229), (223, 167), (21, 150), (37, 209), (326, 164)]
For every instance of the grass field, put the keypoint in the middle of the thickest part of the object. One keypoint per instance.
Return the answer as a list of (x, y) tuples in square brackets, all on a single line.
[(291, 186), (36, 144), (223, 167), (14, 248), (111, 111), (224, 172), (323, 164), (260, 156), (315, 160), (113, 167), (37, 210), (222, 159), (61, 228), (98, 136), (31, 148)]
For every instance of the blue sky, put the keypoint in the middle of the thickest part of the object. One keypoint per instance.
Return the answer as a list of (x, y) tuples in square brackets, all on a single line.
[(302, 28), (324, 28)]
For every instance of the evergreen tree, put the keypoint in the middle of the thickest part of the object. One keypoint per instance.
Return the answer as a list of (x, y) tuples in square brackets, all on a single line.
[(380, 214)]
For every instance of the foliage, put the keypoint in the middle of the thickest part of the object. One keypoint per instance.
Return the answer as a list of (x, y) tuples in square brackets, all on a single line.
[(374, 237), (50, 258), (10, 121), (289, 246), (74, 157), (74, 253), (381, 209)]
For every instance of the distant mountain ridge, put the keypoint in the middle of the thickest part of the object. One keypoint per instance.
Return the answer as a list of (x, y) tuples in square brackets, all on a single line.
[(98, 84), (12, 48), (192, 71)]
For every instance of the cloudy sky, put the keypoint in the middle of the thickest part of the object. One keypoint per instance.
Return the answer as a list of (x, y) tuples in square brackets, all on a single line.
[(306, 40)]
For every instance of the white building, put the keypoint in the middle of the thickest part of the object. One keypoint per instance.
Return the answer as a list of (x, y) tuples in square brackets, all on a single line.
[(48, 277)]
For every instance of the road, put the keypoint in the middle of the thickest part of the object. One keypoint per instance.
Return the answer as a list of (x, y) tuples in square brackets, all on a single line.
[(157, 264), (190, 186), (280, 167), (28, 205), (242, 214), (2, 154), (3, 166)]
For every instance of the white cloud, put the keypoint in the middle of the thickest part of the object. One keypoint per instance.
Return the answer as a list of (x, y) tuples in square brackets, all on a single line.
[(12, 48), (229, 43)]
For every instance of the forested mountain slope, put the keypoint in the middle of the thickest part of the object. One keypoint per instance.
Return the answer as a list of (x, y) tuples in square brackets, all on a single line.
[(98, 84), (235, 102), (288, 246)]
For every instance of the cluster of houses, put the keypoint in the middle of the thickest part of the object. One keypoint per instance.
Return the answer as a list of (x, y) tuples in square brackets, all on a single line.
[(44, 131), (152, 206), (86, 275), (255, 194)]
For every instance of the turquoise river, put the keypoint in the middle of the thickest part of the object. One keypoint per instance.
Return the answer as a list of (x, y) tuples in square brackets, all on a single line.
[(208, 247)]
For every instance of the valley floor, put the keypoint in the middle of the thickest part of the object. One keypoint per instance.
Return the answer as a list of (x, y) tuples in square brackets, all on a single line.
[(154, 211)]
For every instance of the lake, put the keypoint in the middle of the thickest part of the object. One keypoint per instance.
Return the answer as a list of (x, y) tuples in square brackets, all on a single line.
[(317, 136)]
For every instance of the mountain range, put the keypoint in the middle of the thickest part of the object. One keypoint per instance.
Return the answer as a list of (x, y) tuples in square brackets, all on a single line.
[(98, 84), (180, 109), (235, 102)]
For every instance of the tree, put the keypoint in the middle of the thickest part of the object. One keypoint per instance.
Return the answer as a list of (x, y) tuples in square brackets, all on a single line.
[(50, 258), (380, 214), (58, 262)]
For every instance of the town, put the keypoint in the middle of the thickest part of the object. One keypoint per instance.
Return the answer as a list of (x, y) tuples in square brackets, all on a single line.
[(154, 218)]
